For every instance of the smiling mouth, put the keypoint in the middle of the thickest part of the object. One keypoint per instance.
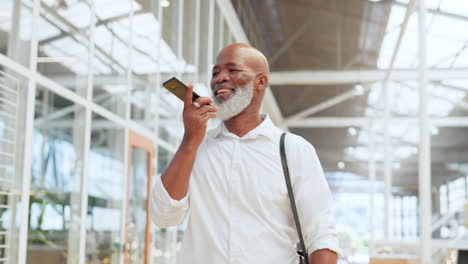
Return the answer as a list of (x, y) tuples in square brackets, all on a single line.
[(222, 91)]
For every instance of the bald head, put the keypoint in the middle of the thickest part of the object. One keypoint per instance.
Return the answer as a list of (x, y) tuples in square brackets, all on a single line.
[(252, 56), (244, 63), (239, 79)]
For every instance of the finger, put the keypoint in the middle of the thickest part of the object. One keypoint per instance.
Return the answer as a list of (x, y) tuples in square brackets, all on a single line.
[(188, 96), (209, 115), (204, 100), (207, 108)]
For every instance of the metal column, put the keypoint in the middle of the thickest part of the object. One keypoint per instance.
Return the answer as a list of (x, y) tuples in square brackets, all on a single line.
[(424, 145), (209, 54), (87, 138), (387, 163), (372, 173), (28, 135)]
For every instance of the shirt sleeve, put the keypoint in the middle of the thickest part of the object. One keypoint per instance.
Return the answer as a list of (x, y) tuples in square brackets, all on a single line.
[(313, 197), (166, 211)]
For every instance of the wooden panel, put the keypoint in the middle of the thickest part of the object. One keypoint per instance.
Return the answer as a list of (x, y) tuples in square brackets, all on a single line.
[(137, 141)]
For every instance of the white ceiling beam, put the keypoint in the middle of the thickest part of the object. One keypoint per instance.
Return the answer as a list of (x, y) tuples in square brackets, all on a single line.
[(70, 80), (460, 104), (459, 121), (439, 155), (326, 104), (311, 77), (438, 12)]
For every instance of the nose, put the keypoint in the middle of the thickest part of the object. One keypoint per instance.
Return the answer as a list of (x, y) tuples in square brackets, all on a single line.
[(222, 77)]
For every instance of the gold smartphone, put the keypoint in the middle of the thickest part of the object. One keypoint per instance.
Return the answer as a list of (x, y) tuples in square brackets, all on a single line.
[(178, 88)]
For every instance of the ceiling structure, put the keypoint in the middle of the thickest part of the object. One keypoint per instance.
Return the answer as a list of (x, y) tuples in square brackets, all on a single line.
[(334, 49)]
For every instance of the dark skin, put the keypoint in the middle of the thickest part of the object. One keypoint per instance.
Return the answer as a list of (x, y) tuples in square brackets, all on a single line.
[(236, 66)]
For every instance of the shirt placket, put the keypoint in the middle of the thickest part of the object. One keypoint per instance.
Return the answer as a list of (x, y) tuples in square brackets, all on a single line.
[(234, 219)]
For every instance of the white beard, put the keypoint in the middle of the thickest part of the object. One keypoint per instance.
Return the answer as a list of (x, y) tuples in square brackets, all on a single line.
[(240, 99)]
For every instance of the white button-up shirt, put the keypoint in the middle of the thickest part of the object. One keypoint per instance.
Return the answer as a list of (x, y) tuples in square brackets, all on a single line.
[(238, 204)]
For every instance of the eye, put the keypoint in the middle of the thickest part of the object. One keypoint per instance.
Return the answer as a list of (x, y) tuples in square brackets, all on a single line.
[(233, 70), (214, 74)]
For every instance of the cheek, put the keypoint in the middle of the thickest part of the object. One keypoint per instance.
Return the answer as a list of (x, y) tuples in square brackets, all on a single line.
[(242, 79)]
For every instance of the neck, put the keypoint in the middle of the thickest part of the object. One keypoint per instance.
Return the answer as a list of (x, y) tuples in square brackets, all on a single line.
[(244, 122)]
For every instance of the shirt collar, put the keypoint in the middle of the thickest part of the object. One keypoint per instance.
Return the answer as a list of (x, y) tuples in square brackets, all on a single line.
[(266, 128)]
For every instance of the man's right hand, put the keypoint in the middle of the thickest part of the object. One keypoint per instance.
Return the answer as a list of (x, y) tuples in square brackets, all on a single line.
[(196, 119)]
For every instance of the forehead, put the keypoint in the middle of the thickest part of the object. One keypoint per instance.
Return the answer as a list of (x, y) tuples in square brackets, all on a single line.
[(232, 58), (227, 64)]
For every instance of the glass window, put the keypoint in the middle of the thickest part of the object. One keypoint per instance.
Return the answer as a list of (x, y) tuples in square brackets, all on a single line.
[(145, 61), (443, 199), (397, 217), (111, 57), (227, 35), (136, 216), (189, 37), (143, 104), (170, 22), (55, 201), (15, 30), (105, 192), (165, 239), (64, 44), (164, 157), (408, 216), (12, 113), (217, 31), (128, 53), (204, 64), (457, 194)]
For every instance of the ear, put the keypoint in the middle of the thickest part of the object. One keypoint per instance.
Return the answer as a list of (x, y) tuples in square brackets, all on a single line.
[(262, 82)]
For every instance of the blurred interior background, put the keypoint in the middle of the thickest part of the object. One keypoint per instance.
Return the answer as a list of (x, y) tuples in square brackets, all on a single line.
[(378, 87)]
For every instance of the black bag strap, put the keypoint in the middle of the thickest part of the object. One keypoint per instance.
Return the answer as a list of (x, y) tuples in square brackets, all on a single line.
[(284, 161)]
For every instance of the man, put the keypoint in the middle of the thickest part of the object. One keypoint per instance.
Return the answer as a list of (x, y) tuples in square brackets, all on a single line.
[(232, 178)]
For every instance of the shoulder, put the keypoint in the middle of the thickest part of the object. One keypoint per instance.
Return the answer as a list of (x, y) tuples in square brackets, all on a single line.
[(296, 143), (301, 154)]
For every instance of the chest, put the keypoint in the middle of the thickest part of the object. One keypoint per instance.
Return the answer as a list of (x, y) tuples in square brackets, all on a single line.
[(244, 171)]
